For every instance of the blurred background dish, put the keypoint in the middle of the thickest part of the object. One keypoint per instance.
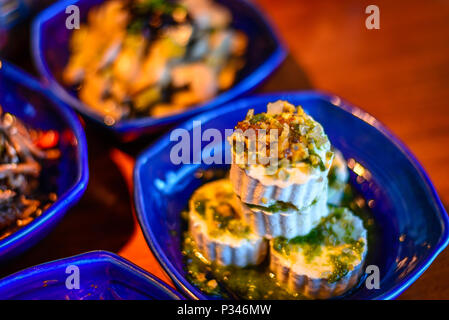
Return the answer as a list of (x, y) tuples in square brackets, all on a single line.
[(103, 276), (44, 161), (135, 58), (229, 47), (410, 223)]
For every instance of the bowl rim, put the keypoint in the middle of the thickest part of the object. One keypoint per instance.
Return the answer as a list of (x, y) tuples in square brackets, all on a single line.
[(122, 127), (97, 256), (338, 102), (74, 193)]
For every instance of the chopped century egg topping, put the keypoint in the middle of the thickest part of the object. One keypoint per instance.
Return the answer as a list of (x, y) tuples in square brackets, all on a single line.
[(331, 250), (284, 137), (217, 204)]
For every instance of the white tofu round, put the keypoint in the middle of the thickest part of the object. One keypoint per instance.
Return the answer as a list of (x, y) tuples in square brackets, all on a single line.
[(263, 191), (322, 267), (287, 222), (225, 246)]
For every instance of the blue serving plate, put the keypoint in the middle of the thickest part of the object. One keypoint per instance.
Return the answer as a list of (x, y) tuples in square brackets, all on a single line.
[(412, 225), (37, 107), (102, 276), (50, 41)]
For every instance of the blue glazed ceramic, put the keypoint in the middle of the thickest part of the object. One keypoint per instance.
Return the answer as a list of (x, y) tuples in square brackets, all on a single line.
[(103, 276), (50, 51), (37, 107), (412, 223)]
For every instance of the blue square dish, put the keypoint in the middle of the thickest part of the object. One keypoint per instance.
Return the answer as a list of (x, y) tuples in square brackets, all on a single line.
[(412, 223), (50, 41), (38, 108), (103, 276)]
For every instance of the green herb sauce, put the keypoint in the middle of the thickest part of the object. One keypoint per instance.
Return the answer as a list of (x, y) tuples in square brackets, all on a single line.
[(250, 283), (258, 282)]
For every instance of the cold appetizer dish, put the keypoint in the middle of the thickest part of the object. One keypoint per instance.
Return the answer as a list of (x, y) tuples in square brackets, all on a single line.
[(283, 225), (24, 153), (139, 58)]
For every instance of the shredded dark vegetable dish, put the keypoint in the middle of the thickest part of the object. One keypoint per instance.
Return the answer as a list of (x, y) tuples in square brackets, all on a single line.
[(23, 153)]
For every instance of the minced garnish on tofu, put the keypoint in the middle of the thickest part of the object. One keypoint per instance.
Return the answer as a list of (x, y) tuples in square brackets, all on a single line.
[(216, 203), (299, 136)]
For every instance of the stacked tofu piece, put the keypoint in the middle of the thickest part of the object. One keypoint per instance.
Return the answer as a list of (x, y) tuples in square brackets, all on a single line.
[(217, 229), (286, 183)]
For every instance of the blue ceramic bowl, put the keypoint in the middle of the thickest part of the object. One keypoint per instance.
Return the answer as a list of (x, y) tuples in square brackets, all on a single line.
[(37, 107), (102, 276), (51, 51), (412, 223)]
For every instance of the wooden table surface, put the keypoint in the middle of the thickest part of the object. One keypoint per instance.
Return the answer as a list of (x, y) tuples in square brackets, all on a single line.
[(399, 74)]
